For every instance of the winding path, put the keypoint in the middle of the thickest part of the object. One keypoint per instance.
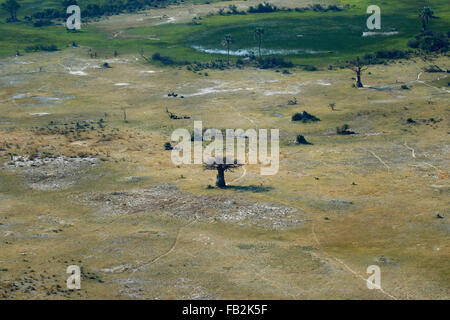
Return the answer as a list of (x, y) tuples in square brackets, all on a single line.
[(171, 249), (344, 264)]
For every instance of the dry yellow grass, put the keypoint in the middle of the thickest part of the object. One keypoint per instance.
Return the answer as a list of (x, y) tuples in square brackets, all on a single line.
[(380, 199)]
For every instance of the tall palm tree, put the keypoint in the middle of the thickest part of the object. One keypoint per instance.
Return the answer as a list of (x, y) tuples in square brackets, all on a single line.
[(11, 6), (425, 15), (226, 42), (258, 34)]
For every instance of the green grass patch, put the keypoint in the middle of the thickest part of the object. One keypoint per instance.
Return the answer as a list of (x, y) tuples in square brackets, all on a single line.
[(305, 38)]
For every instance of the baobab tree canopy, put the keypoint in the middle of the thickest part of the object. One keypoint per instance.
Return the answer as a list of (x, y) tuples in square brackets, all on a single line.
[(221, 165)]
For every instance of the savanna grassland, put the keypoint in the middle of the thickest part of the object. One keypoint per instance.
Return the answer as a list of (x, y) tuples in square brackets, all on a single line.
[(85, 178)]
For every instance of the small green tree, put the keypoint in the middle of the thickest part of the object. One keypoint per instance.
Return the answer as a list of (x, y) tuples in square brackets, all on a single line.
[(258, 35), (11, 6), (425, 14), (226, 42)]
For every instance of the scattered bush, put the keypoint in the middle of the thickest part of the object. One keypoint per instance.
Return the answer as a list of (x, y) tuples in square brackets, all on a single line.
[(344, 130), (430, 41), (309, 68), (320, 8), (215, 64), (263, 63), (174, 116), (274, 62), (41, 47), (168, 146), (42, 23), (292, 102), (301, 140), (433, 69), (234, 10), (304, 117), (263, 8), (163, 59), (391, 54), (414, 43), (167, 60), (333, 7), (267, 7), (107, 8), (49, 14), (380, 57)]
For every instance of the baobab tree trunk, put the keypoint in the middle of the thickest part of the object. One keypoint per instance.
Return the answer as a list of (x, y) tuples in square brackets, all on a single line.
[(259, 48), (424, 25), (358, 79), (220, 183)]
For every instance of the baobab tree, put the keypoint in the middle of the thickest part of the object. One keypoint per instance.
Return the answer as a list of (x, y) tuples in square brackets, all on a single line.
[(258, 35), (358, 66), (11, 6), (425, 15), (226, 42), (221, 166)]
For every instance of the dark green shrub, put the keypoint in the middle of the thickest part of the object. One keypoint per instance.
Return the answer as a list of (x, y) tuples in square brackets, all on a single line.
[(301, 140), (304, 117), (414, 43), (309, 68), (430, 41), (168, 146), (391, 54), (41, 47), (263, 8), (167, 60), (274, 62), (42, 23), (344, 130)]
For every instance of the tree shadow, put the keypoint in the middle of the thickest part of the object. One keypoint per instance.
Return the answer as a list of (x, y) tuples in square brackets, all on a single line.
[(378, 89), (251, 188)]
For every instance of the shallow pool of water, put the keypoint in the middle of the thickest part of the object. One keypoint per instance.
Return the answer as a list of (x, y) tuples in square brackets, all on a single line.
[(254, 51)]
